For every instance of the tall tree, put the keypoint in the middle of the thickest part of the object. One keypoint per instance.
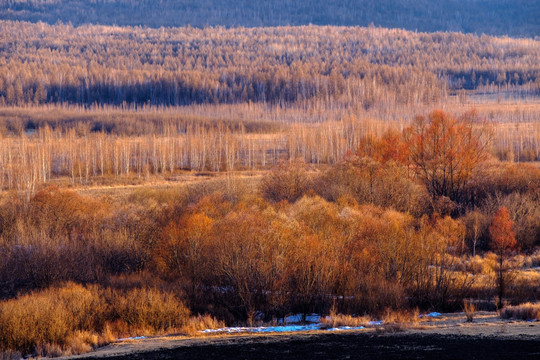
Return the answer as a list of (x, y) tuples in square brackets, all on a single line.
[(503, 239)]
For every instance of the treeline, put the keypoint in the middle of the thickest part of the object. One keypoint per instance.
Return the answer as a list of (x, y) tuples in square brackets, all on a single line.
[(125, 122), (31, 159), (145, 146), (335, 67), (502, 17)]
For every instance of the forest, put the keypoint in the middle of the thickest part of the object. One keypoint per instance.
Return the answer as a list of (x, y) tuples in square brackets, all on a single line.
[(496, 17), (181, 66), (173, 180)]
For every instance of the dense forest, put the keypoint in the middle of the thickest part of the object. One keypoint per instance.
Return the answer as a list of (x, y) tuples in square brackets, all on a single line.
[(497, 17), (322, 65)]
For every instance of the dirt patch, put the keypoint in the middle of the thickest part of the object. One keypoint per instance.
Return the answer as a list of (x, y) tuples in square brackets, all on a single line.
[(444, 337), (354, 345)]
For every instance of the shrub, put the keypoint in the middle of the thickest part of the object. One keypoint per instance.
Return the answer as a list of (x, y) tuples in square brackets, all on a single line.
[(147, 310), (72, 319), (370, 182), (469, 309), (201, 322), (482, 265), (526, 311), (338, 320), (286, 181), (48, 317)]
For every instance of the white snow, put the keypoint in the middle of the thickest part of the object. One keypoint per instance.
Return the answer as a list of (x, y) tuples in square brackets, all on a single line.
[(432, 314), (346, 328), (286, 328), (294, 319), (291, 323), (133, 338), (264, 329)]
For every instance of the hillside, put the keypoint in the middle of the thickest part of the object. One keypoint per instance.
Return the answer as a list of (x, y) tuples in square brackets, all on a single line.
[(497, 17)]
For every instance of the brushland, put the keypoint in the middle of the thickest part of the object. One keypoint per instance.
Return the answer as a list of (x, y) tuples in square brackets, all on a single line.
[(300, 238), (283, 184)]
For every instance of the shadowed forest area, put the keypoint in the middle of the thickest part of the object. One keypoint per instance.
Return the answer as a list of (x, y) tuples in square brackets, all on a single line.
[(172, 180)]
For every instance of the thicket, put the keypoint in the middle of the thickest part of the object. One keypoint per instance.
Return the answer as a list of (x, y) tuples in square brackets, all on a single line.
[(504, 17), (71, 318), (237, 256), (362, 236)]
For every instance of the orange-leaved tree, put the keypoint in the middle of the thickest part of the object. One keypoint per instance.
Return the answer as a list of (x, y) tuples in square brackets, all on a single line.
[(444, 152), (503, 240)]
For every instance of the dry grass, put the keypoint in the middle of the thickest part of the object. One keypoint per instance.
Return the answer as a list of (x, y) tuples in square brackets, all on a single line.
[(528, 311), (73, 319), (199, 323), (525, 261), (482, 264), (338, 320), (392, 320), (469, 309), (402, 317)]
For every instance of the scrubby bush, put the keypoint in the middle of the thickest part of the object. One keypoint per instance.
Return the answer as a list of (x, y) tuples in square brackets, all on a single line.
[(526, 311), (368, 181), (49, 317), (286, 181), (73, 318), (147, 310)]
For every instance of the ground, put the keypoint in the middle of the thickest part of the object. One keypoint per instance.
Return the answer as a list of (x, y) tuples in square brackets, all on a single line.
[(444, 337)]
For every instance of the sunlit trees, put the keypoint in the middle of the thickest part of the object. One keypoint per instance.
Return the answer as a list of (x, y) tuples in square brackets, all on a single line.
[(183, 249), (367, 180), (238, 259), (475, 223), (286, 181), (444, 152), (503, 240)]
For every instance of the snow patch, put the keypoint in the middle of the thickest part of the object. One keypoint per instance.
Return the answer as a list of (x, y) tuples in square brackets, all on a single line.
[(264, 329), (285, 328), (293, 319), (133, 338), (292, 323), (347, 328), (431, 314)]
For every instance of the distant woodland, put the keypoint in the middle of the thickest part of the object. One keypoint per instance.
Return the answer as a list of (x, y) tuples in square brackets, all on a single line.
[(329, 66), (498, 17)]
